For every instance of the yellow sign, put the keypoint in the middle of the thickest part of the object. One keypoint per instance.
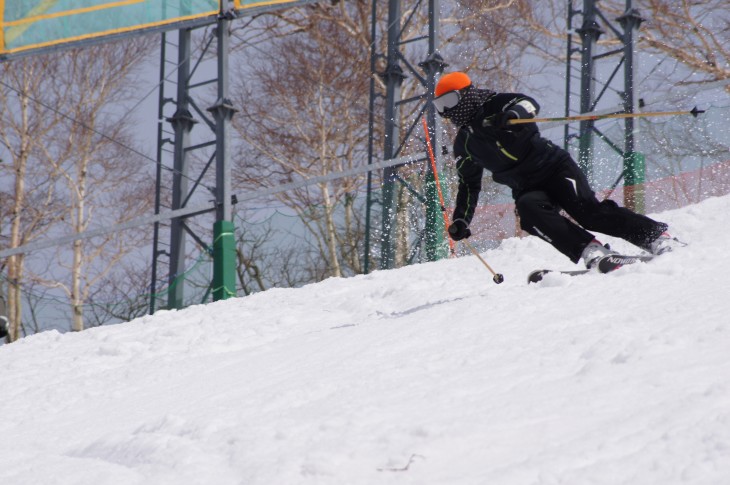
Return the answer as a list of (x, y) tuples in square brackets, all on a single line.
[(242, 4), (31, 24), (26, 25)]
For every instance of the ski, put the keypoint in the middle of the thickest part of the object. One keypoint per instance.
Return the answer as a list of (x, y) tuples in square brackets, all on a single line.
[(537, 275), (606, 264)]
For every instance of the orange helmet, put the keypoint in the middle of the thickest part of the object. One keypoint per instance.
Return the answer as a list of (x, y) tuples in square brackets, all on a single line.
[(453, 81)]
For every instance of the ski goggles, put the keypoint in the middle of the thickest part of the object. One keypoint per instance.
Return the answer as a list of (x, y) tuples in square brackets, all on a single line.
[(447, 101)]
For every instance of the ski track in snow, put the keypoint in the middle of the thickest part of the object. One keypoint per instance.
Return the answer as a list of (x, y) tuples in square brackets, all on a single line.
[(429, 374)]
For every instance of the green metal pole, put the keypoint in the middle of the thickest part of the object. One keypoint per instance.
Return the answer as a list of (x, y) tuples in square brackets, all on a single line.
[(436, 247), (393, 78), (634, 166), (224, 259), (589, 33), (434, 200), (634, 178), (224, 246)]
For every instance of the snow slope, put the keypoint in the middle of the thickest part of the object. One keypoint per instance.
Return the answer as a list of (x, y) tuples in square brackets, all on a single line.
[(430, 374)]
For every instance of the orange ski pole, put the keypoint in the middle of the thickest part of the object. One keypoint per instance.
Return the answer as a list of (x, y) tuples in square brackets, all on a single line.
[(497, 277)]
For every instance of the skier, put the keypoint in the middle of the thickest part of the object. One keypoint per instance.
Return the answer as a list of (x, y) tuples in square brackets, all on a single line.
[(543, 177)]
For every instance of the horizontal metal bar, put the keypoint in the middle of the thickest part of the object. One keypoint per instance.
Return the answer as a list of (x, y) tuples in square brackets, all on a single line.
[(194, 211), (34, 246), (331, 176)]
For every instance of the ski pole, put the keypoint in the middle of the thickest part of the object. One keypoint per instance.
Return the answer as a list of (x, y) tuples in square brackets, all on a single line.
[(694, 112), (497, 277)]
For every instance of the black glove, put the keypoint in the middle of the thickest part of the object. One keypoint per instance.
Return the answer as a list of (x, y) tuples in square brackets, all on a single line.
[(458, 230), (501, 120)]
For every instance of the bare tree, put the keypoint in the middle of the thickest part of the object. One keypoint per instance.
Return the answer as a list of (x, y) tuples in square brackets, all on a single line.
[(303, 114), (694, 34), (250, 246), (120, 296), (30, 202), (99, 175), (70, 165)]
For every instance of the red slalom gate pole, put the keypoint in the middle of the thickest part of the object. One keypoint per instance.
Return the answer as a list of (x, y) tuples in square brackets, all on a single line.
[(438, 184)]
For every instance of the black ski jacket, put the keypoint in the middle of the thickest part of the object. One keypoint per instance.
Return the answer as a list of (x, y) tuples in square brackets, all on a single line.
[(516, 156)]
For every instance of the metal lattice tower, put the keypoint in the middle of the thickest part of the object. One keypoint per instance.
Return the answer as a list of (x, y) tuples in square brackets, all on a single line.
[(593, 26), (397, 69), (180, 185)]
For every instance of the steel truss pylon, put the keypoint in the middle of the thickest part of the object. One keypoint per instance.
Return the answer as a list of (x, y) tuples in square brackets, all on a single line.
[(590, 31), (177, 186), (395, 133)]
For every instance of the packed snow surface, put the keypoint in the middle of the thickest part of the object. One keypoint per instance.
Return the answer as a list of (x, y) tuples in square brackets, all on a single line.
[(430, 374)]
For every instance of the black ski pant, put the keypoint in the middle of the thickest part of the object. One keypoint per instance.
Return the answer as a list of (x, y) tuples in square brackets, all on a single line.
[(539, 211)]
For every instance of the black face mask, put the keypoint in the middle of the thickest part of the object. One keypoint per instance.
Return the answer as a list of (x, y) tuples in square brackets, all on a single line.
[(471, 101)]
